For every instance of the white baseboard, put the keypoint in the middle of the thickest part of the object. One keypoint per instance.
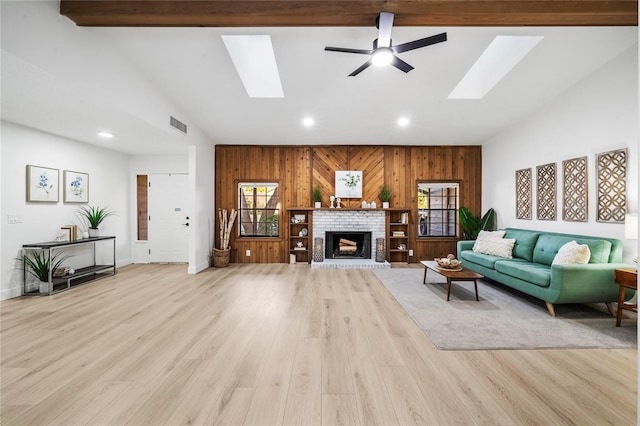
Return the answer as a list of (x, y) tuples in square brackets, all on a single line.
[(11, 293)]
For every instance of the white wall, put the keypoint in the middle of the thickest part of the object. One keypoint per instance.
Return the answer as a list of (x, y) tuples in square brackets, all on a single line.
[(108, 186), (598, 114), (201, 186)]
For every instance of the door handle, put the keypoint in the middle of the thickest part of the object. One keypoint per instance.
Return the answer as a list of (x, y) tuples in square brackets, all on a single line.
[(186, 224)]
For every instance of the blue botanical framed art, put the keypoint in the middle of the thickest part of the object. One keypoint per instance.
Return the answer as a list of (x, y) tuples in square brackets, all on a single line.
[(42, 184), (76, 187)]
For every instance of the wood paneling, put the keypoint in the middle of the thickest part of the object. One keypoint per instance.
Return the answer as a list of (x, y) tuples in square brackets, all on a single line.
[(299, 168), (313, 13)]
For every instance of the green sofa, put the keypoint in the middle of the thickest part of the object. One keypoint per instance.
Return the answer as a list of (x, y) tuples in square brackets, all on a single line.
[(531, 272)]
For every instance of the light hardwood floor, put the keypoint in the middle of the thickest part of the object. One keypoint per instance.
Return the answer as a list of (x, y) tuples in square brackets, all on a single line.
[(278, 344)]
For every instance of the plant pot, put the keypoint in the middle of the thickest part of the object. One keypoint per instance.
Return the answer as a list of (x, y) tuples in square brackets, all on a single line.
[(318, 204), (94, 232), (385, 204), (221, 257), (44, 287)]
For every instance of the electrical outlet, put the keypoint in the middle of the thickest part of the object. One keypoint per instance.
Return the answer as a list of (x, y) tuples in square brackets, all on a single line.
[(247, 253), (410, 252)]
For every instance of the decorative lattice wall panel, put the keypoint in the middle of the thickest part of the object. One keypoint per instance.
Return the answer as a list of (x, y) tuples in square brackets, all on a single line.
[(575, 189), (546, 192), (524, 198), (611, 185)]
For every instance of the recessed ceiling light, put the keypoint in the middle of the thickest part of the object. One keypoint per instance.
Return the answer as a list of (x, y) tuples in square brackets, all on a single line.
[(255, 62), (496, 61), (403, 121), (106, 135), (308, 121)]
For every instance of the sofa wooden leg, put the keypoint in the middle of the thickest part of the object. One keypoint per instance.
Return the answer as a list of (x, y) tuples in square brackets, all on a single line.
[(611, 310), (550, 308)]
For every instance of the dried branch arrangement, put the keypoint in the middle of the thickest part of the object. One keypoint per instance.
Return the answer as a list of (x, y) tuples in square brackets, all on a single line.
[(226, 224)]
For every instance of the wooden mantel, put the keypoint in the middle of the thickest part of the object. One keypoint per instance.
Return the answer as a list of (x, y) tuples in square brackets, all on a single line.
[(336, 13)]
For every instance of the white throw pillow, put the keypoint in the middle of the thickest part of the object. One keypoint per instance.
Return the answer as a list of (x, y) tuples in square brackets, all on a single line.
[(483, 235), (491, 234), (572, 252), (502, 247)]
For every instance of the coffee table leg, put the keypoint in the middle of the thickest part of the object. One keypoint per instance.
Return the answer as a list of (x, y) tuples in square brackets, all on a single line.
[(448, 288), (475, 284), (424, 279)]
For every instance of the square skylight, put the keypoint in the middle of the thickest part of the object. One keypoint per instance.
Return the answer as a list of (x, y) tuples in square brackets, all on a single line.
[(255, 62), (496, 61)]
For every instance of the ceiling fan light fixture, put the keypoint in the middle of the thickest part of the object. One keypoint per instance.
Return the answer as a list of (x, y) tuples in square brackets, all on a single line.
[(382, 57)]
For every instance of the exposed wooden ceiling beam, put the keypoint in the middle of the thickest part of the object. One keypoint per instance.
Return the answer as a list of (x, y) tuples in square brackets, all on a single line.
[(305, 13)]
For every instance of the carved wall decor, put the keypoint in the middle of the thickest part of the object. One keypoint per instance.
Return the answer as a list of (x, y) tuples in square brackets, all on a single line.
[(611, 186), (575, 189), (546, 192), (524, 198)]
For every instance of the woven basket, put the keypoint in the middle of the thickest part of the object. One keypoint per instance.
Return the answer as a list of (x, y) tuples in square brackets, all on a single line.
[(221, 257)]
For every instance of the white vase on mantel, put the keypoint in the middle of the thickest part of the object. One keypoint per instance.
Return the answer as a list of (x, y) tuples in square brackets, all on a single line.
[(318, 204), (94, 232), (385, 204)]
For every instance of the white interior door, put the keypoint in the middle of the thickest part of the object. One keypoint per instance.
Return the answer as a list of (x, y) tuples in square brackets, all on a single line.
[(168, 218)]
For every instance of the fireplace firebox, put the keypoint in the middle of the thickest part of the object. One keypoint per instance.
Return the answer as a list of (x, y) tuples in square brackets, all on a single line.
[(348, 245)]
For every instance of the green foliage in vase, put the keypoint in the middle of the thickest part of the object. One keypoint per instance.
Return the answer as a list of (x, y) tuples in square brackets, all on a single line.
[(385, 194), (95, 214), (317, 195), (38, 263)]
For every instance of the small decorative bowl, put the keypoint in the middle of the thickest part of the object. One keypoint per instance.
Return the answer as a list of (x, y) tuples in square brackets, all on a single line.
[(447, 263)]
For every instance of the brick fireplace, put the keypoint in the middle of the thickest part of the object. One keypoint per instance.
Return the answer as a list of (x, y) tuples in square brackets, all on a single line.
[(345, 221)]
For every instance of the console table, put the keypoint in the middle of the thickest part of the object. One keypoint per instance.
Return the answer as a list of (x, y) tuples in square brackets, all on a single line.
[(625, 278), (89, 273)]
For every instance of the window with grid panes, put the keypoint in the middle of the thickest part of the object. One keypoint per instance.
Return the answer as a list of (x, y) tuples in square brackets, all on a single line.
[(259, 209), (437, 209)]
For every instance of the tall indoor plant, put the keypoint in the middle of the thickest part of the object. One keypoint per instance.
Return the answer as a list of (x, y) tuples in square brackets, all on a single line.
[(95, 215), (472, 225), (221, 255)]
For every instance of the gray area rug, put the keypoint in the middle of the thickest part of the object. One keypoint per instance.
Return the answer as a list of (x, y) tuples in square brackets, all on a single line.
[(503, 318)]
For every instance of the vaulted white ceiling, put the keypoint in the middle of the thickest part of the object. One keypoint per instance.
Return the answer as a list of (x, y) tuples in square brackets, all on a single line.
[(74, 81)]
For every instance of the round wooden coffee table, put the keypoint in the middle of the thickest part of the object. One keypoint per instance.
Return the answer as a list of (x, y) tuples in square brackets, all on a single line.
[(464, 275)]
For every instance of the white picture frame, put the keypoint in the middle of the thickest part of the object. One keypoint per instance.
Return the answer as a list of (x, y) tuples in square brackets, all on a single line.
[(76, 187), (42, 184), (348, 184)]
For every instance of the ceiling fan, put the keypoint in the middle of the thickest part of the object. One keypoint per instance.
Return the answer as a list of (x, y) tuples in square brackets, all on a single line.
[(383, 53)]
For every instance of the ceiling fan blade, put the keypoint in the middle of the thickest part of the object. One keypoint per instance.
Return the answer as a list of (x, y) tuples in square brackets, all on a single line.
[(384, 24), (401, 65), (347, 50), (416, 44), (361, 68)]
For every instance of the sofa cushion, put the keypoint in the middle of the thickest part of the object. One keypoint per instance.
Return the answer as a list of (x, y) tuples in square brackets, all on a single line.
[(548, 246), (534, 273), (572, 253), (485, 260), (501, 247), (525, 242)]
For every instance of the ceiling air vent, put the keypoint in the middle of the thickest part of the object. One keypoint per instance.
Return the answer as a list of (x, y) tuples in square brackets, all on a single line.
[(178, 125)]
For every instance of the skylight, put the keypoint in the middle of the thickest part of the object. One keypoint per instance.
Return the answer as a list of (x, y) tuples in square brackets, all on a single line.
[(496, 61), (255, 62)]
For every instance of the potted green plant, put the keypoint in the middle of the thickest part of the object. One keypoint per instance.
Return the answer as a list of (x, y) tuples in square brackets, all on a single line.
[(472, 225), (317, 197), (385, 196), (38, 264), (95, 215)]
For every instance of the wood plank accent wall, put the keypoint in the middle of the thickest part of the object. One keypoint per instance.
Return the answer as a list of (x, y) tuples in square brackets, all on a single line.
[(299, 168)]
